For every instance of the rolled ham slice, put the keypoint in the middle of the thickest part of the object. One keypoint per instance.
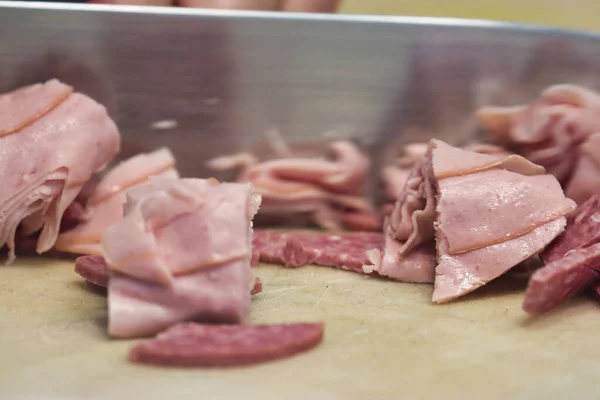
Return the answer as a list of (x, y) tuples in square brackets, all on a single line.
[(553, 131), (105, 205), (485, 213), (49, 152), (182, 252)]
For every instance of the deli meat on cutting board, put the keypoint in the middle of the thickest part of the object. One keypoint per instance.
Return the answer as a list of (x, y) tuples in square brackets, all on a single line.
[(104, 206), (95, 271), (460, 201), (572, 261), (344, 250), (327, 192), (196, 345), (40, 181), (166, 263), (559, 131)]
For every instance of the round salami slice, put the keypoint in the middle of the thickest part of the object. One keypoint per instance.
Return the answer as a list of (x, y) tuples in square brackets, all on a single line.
[(93, 269), (198, 345)]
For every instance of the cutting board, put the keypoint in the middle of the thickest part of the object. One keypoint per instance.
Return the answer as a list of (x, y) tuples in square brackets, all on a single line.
[(383, 340)]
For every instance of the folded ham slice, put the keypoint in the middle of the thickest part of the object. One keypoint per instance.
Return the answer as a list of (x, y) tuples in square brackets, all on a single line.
[(53, 141), (553, 131), (105, 205), (326, 192), (182, 252), (486, 213)]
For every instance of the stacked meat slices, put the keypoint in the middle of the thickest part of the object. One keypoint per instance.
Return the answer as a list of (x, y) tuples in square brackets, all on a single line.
[(158, 274), (326, 192), (105, 205), (450, 223), (559, 131), (52, 142)]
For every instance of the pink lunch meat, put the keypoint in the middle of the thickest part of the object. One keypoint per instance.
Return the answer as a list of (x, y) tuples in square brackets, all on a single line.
[(196, 345), (326, 192), (104, 206), (95, 271), (166, 263), (553, 131), (458, 200), (41, 181), (343, 250)]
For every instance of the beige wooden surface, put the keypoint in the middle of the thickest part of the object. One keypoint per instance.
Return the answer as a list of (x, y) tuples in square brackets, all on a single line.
[(383, 340)]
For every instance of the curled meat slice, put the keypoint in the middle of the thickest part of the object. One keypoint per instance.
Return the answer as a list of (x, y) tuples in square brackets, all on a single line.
[(196, 345), (550, 130), (585, 180), (93, 269), (105, 205), (41, 181)]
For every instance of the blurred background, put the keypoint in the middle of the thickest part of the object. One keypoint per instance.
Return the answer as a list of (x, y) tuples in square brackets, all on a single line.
[(577, 14)]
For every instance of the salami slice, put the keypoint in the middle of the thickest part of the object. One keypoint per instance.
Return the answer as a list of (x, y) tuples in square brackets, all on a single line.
[(561, 279), (198, 345), (93, 269), (344, 250)]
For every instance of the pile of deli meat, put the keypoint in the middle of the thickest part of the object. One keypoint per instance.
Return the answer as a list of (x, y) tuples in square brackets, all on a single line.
[(176, 255)]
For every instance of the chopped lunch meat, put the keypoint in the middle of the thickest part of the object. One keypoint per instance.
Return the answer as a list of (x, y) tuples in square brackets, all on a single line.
[(166, 263), (258, 286), (329, 193), (105, 204), (93, 269), (196, 345), (451, 218), (557, 132), (572, 261), (40, 181), (344, 250)]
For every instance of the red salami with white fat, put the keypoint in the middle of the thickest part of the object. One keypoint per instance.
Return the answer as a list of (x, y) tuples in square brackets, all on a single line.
[(198, 345), (93, 269), (344, 250), (561, 279)]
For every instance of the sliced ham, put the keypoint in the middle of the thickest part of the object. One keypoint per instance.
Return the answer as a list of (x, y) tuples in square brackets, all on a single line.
[(105, 204), (459, 200), (585, 180), (166, 263), (326, 192), (553, 132), (40, 181), (196, 345), (343, 250), (572, 261)]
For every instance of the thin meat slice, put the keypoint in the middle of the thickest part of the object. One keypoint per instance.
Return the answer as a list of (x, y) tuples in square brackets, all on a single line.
[(24, 106), (93, 269), (343, 250), (477, 209), (196, 345), (46, 163), (168, 265), (583, 230), (585, 180), (457, 275), (328, 192), (550, 130), (562, 279), (105, 205)]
